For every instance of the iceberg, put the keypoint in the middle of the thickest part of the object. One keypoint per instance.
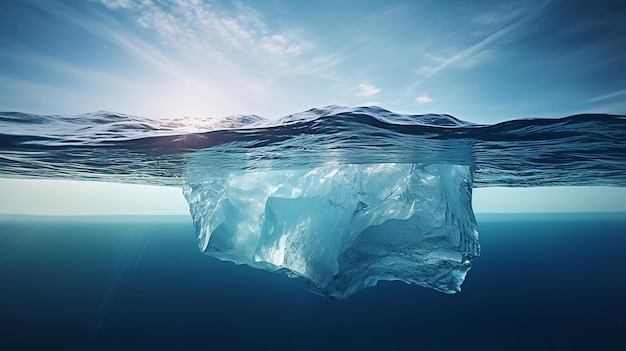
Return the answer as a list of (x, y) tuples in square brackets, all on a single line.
[(343, 227), (343, 197)]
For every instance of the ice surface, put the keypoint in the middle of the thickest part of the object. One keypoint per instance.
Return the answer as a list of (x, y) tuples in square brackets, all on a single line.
[(343, 227)]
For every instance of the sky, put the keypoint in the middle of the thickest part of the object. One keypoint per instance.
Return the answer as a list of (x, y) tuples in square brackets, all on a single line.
[(481, 61)]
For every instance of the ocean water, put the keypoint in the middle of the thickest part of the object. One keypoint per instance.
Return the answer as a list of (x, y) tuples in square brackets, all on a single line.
[(575, 150), (542, 282)]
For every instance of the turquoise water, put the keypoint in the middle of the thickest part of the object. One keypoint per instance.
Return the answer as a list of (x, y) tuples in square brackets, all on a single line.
[(542, 282)]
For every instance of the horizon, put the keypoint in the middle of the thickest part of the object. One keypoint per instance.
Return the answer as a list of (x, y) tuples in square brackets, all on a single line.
[(54, 197)]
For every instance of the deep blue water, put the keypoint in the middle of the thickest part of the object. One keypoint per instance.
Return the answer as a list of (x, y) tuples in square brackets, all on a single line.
[(542, 282)]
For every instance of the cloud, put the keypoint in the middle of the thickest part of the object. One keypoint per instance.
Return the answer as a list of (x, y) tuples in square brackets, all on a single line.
[(278, 44), (502, 14), (495, 27), (473, 54), (368, 90), (423, 99), (608, 96), (208, 29), (475, 59), (118, 4), (189, 69)]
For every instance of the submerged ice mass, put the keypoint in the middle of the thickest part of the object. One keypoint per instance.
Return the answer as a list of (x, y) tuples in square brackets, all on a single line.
[(343, 227), (344, 197)]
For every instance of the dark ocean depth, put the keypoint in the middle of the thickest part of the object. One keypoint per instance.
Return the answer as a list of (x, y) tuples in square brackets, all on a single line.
[(543, 282)]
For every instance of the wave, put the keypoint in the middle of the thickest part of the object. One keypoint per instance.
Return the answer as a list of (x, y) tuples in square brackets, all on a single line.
[(587, 149)]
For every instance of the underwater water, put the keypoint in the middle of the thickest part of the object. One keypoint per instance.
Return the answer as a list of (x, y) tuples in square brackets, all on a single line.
[(542, 282)]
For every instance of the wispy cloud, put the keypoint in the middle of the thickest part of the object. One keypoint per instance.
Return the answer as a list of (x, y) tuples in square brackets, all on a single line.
[(116, 4), (494, 27), (278, 44), (116, 34), (207, 28), (500, 16), (367, 90), (202, 57), (608, 96), (424, 99), (468, 57)]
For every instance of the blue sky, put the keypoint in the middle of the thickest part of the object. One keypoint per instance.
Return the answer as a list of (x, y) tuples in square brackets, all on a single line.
[(482, 61)]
